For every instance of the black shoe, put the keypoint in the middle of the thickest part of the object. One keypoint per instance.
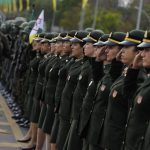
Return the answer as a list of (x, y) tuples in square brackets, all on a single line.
[(24, 125), (21, 120), (31, 148), (16, 116), (24, 141)]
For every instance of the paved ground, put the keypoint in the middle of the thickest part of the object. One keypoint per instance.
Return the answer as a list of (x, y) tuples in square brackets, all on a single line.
[(9, 130)]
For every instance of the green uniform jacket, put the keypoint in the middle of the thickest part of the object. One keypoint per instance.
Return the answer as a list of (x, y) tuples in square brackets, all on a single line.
[(51, 62), (52, 81), (99, 109), (40, 78), (63, 72), (67, 94), (138, 120), (116, 117)]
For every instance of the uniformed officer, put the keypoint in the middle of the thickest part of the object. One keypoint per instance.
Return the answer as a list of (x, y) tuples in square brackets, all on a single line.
[(100, 99), (40, 133), (90, 69), (117, 109), (89, 98), (32, 82), (137, 133), (38, 87), (66, 99), (61, 83)]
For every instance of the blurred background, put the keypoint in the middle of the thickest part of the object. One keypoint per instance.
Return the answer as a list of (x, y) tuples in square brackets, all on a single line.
[(64, 15)]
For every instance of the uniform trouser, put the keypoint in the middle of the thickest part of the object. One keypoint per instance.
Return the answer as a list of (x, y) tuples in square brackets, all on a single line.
[(73, 141), (55, 128), (63, 130)]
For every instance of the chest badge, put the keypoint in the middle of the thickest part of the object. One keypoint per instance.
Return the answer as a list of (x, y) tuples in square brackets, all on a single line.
[(90, 83), (139, 99), (103, 87), (68, 78), (80, 77), (114, 93), (51, 69)]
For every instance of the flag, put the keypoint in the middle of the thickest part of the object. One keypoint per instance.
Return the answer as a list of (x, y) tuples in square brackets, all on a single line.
[(39, 25), (84, 3), (54, 5)]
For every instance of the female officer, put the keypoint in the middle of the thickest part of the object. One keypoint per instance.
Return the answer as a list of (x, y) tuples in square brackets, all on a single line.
[(72, 78), (137, 133), (117, 108)]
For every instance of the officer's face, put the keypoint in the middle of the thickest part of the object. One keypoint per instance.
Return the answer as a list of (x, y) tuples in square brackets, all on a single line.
[(39, 46), (52, 47), (146, 57), (101, 53), (89, 49), (34, 45), (77, 50), (45, 47), (59, 46), (112, 52), (67, 47), (128, 54)]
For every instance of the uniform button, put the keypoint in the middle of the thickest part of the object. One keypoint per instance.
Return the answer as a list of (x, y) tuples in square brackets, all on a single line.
[(122, 142), (142, 138), (91, 111), (126, 126)]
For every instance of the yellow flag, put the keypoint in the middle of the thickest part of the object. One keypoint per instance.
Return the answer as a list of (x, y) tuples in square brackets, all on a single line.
[(84, 3), (28, 4), (54, 5), (20, 5)]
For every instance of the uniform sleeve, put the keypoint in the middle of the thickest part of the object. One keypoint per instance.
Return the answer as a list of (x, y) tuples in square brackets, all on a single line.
[(130, 84), (115, 69)]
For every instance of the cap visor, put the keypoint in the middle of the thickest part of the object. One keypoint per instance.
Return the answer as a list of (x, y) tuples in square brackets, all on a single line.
[(144, 45), (128, 43), (88, 40), (74, 40), (99, 44), (109, 43), (66, 39), (44, 41)]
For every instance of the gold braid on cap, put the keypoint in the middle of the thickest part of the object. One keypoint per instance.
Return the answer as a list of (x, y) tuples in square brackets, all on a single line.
[(89, 36), (132, 40), (114, 41)]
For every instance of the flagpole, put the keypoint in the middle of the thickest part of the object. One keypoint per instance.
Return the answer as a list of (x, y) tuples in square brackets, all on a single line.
[(53, 20), (81, 19), (95, 14), (139, 14)]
